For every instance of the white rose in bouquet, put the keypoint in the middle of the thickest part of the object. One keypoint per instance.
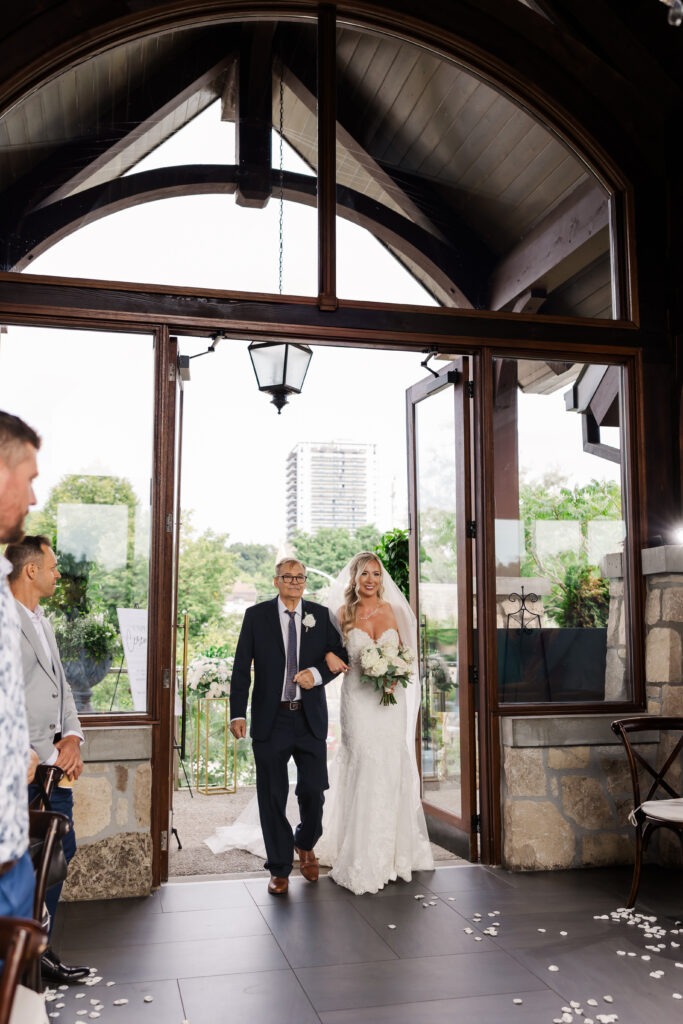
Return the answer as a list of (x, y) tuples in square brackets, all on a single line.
[(390, 649), (401, 665), (369, 657), (380, 667)]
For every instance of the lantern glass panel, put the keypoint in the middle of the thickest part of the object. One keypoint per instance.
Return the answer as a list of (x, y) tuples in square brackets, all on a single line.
[(268, 363), (298, 358)]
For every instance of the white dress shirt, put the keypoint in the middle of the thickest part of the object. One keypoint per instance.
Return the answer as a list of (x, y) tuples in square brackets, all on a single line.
[(283, 611)]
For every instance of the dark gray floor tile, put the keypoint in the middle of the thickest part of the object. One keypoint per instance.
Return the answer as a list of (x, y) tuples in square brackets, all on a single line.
[(185, 926), (522, 931), (264, 998), (192, 959), (314, 933), (462, 877), (592, 969), (182, 896), (402, 981), (299, 889), (528, 900), (97, 909), (536, 1008), (422, 931), (166, 1005)]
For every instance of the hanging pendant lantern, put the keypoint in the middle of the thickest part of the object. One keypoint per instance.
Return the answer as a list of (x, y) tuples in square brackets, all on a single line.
[(280, 368)]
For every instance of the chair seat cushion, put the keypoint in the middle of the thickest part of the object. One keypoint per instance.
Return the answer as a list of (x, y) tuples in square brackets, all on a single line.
[(664, 810)]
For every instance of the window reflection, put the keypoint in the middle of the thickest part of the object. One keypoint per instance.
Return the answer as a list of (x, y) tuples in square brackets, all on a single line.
[(559, 532), (93, 493)]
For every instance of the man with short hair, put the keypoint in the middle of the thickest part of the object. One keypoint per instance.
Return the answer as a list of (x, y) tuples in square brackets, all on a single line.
[(19, 444), (288, 715), (54, 729)]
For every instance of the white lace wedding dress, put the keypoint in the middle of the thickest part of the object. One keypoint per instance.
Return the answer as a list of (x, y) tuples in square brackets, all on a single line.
[(374, 829)]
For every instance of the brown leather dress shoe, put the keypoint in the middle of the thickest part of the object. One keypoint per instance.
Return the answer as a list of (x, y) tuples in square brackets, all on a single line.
[(309, 864), (278, 886)]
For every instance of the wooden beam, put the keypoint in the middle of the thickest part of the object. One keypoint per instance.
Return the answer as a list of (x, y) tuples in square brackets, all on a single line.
[(573, 235), (42, 229), (26, 297), (327, 158), (530, 301), (254, 115), (410, 194), (129, 119)]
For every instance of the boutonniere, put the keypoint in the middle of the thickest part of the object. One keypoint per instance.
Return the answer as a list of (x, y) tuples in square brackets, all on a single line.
[(308, 621)]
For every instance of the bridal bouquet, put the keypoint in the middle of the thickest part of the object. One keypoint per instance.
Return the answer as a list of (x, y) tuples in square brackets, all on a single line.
[(384, 663), (209, 677)]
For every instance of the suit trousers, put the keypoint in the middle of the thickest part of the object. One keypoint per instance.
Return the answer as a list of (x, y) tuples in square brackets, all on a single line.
[(61, 801), (291, 737)]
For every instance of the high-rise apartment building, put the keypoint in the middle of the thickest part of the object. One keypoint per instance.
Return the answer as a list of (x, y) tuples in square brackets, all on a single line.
[(330, 483)]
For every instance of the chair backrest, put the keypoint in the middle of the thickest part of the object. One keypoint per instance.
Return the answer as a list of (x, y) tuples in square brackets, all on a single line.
[(628, 730), (21, 942), (45, 829)]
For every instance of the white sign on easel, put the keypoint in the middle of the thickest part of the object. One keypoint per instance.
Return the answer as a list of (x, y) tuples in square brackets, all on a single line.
[(133, 628)]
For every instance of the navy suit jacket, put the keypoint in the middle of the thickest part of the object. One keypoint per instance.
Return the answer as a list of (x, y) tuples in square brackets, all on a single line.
[(261, 642)]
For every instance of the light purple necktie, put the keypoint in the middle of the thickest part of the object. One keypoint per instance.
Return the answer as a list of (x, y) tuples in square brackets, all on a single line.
[(292, 659)]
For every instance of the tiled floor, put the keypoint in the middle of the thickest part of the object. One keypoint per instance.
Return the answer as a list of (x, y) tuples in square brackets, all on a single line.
[(225, 951)]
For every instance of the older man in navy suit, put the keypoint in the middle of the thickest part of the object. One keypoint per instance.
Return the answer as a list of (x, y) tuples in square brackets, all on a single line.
[(286, 639)]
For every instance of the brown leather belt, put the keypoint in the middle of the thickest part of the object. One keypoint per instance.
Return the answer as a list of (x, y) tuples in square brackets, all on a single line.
[(7, 866), (291, 705)]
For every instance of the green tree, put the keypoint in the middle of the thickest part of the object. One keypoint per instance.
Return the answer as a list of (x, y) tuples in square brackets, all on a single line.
[(206, 572), (255, 563), (392, 548), (331, 548), (85, 585)]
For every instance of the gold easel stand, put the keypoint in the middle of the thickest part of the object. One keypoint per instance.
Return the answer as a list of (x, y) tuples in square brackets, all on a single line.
[(213, 730)]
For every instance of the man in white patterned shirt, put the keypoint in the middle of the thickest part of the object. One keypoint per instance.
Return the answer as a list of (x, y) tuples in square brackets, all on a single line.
[(18, 469)]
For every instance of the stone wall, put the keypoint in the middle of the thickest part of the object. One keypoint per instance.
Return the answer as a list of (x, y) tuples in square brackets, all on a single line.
[(565, 803), (112, 806), (566, 789)]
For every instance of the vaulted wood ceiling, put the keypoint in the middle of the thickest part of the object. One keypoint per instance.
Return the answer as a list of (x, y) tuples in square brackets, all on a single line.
[(483, 204)]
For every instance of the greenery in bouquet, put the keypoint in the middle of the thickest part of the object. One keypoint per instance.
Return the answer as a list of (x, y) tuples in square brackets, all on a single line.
[(385, 664), (92, 634), (209, 677)]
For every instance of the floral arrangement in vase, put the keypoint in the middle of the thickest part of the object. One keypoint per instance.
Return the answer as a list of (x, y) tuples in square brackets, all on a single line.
[(209, 677)]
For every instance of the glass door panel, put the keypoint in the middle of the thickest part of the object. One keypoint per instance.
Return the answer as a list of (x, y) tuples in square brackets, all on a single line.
[(441, 591)]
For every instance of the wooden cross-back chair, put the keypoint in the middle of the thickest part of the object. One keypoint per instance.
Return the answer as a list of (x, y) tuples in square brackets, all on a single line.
[(22, 942), (655, 811), (49, 828)]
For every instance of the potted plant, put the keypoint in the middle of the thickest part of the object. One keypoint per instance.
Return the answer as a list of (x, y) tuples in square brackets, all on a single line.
[(87, 644)]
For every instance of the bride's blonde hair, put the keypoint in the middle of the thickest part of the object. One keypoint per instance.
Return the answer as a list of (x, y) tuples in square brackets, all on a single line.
[(351, 594)]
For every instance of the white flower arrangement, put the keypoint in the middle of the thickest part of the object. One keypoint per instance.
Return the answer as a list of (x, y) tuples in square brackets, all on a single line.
[(384, 664), (308, 621), (210, 677)]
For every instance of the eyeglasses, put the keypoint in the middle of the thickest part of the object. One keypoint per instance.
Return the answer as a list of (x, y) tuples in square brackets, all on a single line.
[(293, 579)]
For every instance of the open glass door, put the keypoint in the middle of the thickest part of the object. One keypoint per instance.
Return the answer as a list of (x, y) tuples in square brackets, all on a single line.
[(441, 594), (167, 482)]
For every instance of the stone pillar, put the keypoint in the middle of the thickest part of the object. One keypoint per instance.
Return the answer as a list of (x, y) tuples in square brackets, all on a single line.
[(663, 570), (112, 810)]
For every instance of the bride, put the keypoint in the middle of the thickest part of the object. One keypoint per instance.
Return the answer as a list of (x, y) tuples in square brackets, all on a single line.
[(374, 829)]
